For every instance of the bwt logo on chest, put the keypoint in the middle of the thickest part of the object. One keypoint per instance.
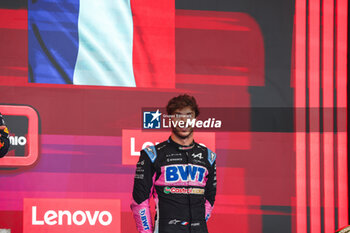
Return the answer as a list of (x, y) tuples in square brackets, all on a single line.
[(189, 172)]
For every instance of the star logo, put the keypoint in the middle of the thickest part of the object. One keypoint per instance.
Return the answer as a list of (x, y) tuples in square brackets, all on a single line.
[(156, 115)]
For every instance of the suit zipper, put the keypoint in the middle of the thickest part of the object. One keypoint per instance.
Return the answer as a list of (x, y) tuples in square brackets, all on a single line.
[(188, 195)]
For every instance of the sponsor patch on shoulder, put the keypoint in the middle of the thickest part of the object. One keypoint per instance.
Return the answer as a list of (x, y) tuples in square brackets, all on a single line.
[(211, 157), (151, 152)]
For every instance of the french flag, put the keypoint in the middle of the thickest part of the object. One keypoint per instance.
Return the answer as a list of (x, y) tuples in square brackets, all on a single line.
[(129, 43)]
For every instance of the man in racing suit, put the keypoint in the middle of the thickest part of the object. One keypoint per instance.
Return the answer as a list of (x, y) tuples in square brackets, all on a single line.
[(4, 138), (181, 176)]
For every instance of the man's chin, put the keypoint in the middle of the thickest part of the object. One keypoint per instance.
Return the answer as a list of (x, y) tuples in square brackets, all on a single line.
[(182, 134)]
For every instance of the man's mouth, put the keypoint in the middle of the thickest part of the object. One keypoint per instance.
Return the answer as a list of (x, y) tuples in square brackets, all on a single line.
[(187, 129)]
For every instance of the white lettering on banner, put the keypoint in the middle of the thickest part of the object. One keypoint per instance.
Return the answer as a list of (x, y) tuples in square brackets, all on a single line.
[(34, 221), (133, 150), (83, 217), (17, 140), (146, 144), (79, 217), (132, 147), (61, 214), (50, 219), (209, 123)]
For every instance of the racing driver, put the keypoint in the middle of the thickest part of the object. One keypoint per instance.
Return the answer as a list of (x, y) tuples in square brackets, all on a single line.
[(181, 176)]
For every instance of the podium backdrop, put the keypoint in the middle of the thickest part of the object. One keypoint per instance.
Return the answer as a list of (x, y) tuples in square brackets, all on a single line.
[(77, 76)]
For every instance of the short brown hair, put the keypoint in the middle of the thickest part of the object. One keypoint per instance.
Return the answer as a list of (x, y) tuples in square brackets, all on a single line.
[(181, 102)]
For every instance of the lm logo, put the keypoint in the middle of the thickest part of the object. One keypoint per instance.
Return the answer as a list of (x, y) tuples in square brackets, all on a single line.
[(184, 173), (151, 120)]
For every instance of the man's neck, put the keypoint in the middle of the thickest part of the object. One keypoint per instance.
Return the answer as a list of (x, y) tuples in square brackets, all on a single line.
[(182, 141)]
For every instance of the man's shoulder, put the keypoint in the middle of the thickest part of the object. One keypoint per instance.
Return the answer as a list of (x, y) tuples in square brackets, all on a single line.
[(202, 147), (162, 145), (153, 150), (211, 155)]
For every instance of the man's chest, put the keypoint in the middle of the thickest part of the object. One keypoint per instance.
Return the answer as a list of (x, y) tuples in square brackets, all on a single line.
[(194, 157), (174, 167)]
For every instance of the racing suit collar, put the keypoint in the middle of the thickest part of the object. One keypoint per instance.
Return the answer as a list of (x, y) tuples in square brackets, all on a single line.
[(181, 147)]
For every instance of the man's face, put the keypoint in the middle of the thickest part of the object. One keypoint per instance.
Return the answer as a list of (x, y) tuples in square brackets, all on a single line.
[(182, 115)]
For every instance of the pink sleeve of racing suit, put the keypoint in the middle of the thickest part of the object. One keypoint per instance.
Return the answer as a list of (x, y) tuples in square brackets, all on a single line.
[(142, 216), (142, 191), (208, 209)]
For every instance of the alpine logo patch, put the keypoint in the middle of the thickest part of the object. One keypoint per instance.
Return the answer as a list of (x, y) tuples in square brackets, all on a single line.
[(199, 155)]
